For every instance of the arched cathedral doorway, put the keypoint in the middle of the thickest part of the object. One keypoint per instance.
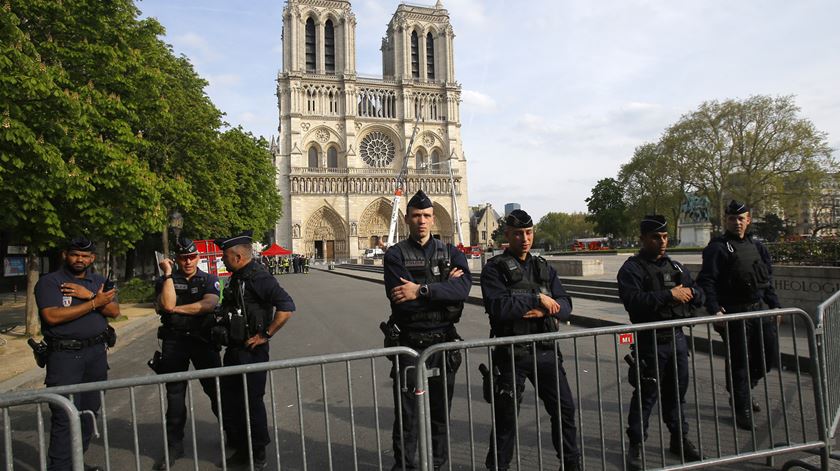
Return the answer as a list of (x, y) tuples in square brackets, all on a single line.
[(375, 223), (325, 236)]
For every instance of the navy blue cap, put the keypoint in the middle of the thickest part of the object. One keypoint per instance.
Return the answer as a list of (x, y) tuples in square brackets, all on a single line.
[(519, 219), (736, 207), (81, 243), (242, 238), (419, 201), (653, 223), (185, 246)]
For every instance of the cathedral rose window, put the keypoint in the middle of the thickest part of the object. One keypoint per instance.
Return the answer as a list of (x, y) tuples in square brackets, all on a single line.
[(377, 149)]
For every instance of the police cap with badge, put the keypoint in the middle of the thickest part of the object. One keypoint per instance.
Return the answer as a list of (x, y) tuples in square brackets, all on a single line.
[(243, 238), (735, 207), (419, 201), (80, 244), (653, 223), (185, 246)]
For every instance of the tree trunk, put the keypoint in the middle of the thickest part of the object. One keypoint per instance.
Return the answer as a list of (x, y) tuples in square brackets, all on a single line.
[(164, 239), (33, 265), (129, 264)]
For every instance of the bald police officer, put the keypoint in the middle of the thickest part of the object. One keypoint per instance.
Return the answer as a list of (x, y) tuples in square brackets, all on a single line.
[(185, 299), (737, 277), (427, 283), (522, 295), (654, 287), (254, 294), (73, 307)]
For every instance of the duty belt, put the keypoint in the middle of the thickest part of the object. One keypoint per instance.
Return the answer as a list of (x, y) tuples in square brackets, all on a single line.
[(58, 345), (421, 339)]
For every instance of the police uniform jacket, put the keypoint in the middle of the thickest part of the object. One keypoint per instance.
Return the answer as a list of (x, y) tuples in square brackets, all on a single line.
[(188, 291), (48, 294), (737, 272), (644, 286), (443, 291), (258, 293), (506, 307)]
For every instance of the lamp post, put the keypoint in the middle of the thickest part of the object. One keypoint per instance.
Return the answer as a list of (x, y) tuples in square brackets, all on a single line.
[(176, 223)]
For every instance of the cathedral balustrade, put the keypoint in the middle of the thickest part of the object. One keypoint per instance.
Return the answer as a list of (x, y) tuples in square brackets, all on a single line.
[(369, 171), (370, 185)]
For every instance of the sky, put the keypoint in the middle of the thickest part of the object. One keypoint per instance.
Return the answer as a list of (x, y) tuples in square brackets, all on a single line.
[(556, 94)]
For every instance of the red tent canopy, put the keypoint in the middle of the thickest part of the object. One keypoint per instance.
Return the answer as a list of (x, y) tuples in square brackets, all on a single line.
[(275, 249)]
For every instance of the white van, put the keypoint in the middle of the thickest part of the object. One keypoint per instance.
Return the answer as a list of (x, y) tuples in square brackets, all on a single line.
[(375, 252)]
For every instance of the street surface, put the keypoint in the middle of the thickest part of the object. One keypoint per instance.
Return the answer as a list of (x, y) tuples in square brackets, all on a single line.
[(340, 314)]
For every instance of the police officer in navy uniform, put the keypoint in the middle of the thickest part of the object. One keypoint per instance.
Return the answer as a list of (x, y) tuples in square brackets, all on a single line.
[(427, 283), (654, 287), (257, 295), (185, 299), (737, 277), (522, 296), (73, 308)]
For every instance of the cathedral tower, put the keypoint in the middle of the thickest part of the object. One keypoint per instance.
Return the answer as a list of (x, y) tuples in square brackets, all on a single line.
[(343, 137)]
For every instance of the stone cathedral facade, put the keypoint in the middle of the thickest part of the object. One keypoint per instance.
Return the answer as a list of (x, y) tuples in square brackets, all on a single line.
[(343, 137)]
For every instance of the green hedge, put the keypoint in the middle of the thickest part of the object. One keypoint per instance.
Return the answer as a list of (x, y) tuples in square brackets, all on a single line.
[(813, 252), (136, 290)]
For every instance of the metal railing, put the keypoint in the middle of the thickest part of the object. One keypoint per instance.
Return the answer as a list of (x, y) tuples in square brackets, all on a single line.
[(129, 434), (828, 342), (792, 419), (324, 411), (38, 398)]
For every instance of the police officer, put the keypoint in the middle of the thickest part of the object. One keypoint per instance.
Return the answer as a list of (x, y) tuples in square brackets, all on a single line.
[(522, 295), (73, 308), (737, 277), (186, 297), (653, 287), (427, 283), (256, 295)]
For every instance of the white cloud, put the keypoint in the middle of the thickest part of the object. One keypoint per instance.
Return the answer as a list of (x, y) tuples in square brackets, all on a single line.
[(197, 47), (224, 80), (478, 100)]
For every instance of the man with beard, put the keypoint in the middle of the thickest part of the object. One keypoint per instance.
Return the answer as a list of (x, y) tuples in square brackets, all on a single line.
[(654, 287), (73, 307), (186, 297)]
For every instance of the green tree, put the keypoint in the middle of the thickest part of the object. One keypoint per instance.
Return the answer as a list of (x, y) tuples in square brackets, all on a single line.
[(607, 209), (498, 235), (651, 184), (745, 149), (558, 230)]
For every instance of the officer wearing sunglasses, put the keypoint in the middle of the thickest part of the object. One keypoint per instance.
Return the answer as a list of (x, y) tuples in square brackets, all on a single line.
[(185, 299)]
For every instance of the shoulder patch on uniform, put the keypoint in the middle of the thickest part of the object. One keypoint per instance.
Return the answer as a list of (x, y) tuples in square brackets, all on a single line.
[(66, 301), (216, 285)]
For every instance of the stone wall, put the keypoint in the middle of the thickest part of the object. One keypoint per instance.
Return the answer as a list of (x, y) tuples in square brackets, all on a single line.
[(802, 287)]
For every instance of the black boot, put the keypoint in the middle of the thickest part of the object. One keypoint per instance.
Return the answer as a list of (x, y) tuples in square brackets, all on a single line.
[(176, 450), (572, 464), (634, 457), (689, 451), (744, 419)]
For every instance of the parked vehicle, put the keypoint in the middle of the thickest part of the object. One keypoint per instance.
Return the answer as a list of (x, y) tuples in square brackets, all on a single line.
[(591, 243), (375, 252)]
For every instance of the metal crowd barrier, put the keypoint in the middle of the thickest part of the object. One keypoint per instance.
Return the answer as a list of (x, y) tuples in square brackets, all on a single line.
[(38, 398), (791, 420), (331, 419), (828, 342), (130, 428)]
